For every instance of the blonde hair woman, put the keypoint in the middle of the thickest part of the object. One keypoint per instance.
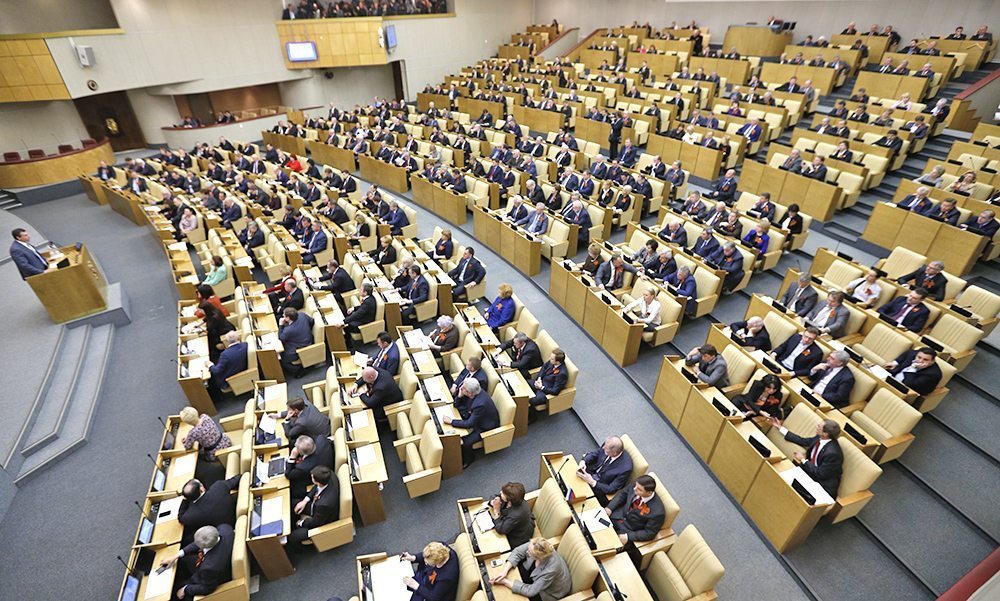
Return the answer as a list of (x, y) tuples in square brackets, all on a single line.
[(544, 573), (435, 573), (208, 434), (501, 311)]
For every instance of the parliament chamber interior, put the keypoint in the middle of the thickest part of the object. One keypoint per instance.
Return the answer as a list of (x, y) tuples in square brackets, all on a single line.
[(452, 300)]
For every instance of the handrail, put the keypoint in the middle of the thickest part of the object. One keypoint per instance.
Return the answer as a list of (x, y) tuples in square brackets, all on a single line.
[(982, 83), (556, 39)]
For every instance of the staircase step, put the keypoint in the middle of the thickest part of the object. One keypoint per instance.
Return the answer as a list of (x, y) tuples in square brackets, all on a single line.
[(54, 397), (79, 414)]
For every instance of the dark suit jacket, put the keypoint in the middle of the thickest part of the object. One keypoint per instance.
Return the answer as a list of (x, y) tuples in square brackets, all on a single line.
[(298, 472), (604, 274), (479, 375), (473, 273), (923, 380), (340, 281), (389, 360), (231, 361), (478, 415), (295, 335), (324, 508), (838, 389), (215, 568), (309, 423), (384, 391), (214, 507), (610, 478), (705, 248), (385, 255), (807, 359), (530, 356), (516, 522), (807, 300), (418, 291), (28, 264), (761, 340), (914, 321), (554, 378), (934, 285), (363, 313), (829, 465), (295, 300), (638, 524)]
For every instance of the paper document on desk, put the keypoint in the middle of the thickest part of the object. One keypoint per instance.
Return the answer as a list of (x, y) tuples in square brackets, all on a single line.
[(595, 520), (178, 246), (158, 585), (269, 340), (360, 359), (327, 301), (435, 389), (818, 492), (484, 521), (273, 392), (270, 510), (879, 372), (387, 579), (261, 471), (417, 339), (512, 377), (168, 509), (357, 420), (183, 464), (189, 328), (267, 423), (366, 455), (243, 262), (189, 310)]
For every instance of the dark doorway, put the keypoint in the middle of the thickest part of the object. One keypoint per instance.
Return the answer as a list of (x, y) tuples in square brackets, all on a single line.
[(398, 71), (111, 116)]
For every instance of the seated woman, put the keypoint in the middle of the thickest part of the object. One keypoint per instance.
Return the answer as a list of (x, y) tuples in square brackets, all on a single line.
[(764, 398), (435, 573), (205, 294), (964, 184), (511, 515), (501, 310), (188, 223), (218, 273), (544, 573), (385, 254), (444, 248), (758, 237), (210, 438), (362, 229), (865, 290), (593, 259), (216, 325)]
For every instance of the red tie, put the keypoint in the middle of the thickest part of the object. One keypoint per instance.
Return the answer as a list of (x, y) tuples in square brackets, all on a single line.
[(197, 562), (636, 503), (518, 358), (815, 454)]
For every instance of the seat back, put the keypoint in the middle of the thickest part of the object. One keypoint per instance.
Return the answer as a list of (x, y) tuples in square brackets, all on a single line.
[(576, 553), (528, 324), (340, 451), (802, 421), (892, 413), (884, 343), (983, 303), (240, 559), (552, 514), (431, 449), (670, 506), (738, 365), (546, 344), (864, 384), (639, 463), (859, 471), (778, 328), (840, 273), (695, 561), (902, 261), (955, 334), (707, 282), (346, 492), (408, 381), (468, 568)]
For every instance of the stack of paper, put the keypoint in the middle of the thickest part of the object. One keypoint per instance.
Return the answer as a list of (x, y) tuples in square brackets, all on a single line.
[(366, 455), (168, 509), (158, 585), (595, 520), (360, 359), (267, 423), (357, 420)]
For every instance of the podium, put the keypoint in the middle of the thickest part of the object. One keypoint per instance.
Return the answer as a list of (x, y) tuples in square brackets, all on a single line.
[(74, 291)]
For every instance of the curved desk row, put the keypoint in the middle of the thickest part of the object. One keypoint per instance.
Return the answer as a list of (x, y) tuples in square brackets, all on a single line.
[(55, 168), (247, 130)]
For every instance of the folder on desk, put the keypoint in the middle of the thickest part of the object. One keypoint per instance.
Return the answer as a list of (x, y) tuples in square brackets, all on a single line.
[(357, 420), (484, 521), (595, 520), (266, 518), (360, 359), (366, 455), (159, 583), (169, 509)]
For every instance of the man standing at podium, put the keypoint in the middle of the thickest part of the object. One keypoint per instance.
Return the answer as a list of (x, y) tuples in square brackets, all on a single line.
[(28, 260)]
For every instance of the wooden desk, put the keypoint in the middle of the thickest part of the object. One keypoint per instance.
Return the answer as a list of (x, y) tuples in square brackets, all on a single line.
[(126, 203), (566, 466), (620, 571), (385, 175), (673, 390), (736, 462), (366, 482), (606, 540), (94, 188), (385, 574), (494, 567), (258, 481), (162, 554), (890, 226), (334, 156), (703, 420), (490, 542), (781, 514), (538, 119), (268, 550), (756, 40), (621, 337), (74, 291), (167, 530)]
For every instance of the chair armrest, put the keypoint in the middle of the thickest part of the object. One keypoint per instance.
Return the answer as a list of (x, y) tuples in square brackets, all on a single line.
[(230, 449), (231, 423), (706, 596), (584, 595), (396, 407), (897, 440), (856, 497), (532, 496)]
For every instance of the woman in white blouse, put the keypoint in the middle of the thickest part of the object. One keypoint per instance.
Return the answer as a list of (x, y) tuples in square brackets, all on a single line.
[(866, 289), (647, 309)]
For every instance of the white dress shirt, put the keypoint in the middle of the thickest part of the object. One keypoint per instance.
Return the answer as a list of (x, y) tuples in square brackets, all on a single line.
[(650, 314)]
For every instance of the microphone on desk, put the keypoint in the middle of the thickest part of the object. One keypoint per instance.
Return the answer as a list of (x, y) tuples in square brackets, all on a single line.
[(163, 423), (142, 511), (127, 569), (153, 460)]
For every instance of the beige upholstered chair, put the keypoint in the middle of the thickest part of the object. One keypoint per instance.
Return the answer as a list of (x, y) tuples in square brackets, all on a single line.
[(889, 419), (423, 463), (340, 531), (689, 570)]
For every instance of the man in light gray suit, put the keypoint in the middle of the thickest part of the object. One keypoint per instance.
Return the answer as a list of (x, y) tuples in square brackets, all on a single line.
[(830, 318), (544, 573), (801, 296), (709, 366)]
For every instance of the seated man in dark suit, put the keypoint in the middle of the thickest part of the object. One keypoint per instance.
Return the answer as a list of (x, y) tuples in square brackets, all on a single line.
[(232, 361), (611, 274), (469, 271), (289, 296), (800, 353), (800, 297), (751, 333), (307, 453), (320, 506), (302, 419), (730, 260), (983, 224), (908, 311), (683, 285), (376, 388), (473, 369), (387, 357), (522, 354), (945, 211), (606, 469), (551, 380), (207, 562), (294, 332), (891, 140), (417, 292), (928, 277), (337, 278), (823, 460), (479, 415), (207, 507), (833, 380), (917, 369), (361, 314), (637, 514), (705, 245)]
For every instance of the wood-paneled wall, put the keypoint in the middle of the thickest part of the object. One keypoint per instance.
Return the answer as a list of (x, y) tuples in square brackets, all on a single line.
[(27, 72), (339, 42)]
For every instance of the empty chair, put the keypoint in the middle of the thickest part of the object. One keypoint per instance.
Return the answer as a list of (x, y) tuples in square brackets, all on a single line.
[(552, 513), (889, 419), (468, 570), (882, 344), (687, 571), (957, 339), (423, 463), (36, 153), (10, 157), (65, 148)]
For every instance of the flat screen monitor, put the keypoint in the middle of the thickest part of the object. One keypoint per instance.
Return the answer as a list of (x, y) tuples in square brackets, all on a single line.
[(299, 52), (159, 480), (130, 592), (146, 531), (390, 37)]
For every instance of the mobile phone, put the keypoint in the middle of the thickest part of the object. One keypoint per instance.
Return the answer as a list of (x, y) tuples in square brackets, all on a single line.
[(162, 568), (496, 563)]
